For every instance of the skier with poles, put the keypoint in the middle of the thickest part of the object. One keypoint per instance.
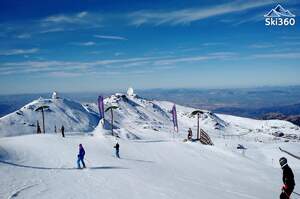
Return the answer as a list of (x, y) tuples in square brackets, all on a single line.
[(117, 147), (287, 178), (81, 157)]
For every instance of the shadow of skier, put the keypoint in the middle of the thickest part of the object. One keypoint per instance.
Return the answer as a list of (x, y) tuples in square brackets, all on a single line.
[(57, 168), (150, 141), (137, 160)]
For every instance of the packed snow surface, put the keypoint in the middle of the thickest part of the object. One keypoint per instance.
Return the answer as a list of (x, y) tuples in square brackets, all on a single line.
[(154, 163)]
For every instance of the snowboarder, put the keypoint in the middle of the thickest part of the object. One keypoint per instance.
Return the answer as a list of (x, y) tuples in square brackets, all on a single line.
[(117, 147), (81, 157), (287, 178), (55, 129), (190, 134), (62, 131)]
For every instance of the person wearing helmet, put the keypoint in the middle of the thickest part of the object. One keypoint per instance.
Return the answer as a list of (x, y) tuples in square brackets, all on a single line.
[(81, 157), (287, 178)]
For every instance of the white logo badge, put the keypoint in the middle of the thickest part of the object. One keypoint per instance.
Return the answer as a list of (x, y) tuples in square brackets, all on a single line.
[(279, 17)]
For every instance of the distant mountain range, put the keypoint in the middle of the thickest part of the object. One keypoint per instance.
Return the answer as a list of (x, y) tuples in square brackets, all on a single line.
[(287, 110), (295, 119), (289, 113)]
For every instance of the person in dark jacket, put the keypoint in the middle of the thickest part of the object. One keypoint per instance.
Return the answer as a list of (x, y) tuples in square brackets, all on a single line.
[(287, 179), (81, 157), (62, 131), (190, 134), (38, 131), (117, 147)]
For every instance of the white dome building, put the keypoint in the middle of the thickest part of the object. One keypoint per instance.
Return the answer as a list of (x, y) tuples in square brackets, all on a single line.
[(55, 95), (130, 92)]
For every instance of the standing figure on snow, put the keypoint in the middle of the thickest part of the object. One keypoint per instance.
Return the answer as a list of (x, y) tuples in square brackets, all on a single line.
[(38, 130), (117, 147), (190, 134), (81, 157), (62, 131), (287, 178)]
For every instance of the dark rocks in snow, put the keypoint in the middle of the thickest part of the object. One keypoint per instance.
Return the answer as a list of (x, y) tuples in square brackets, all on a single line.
[(278, 134), (19, 112)]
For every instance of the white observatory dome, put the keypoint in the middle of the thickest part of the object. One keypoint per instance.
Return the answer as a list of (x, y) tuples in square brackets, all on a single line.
[(130, 92)]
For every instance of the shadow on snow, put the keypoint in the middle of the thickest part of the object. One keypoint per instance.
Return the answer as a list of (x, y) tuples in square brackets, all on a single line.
[(137, 160), (151, 141), (56, 168)]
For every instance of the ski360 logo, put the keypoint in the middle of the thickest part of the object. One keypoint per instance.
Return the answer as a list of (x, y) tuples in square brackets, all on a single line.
[(279, 17)]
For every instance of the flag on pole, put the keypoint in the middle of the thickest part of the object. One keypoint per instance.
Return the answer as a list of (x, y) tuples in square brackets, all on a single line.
[(174, 115), (101, 107)]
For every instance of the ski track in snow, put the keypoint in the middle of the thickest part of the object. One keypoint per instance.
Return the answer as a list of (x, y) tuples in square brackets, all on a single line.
[(20, 191)]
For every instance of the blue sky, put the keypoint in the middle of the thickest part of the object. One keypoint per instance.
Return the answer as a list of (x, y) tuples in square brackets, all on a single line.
[(92, 45)]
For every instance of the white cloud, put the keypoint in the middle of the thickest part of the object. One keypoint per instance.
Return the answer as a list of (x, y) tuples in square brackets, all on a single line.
[(23, 36), (70, 21), (64, 19), (69, 68), (186, 16), (82, 14), (88, 43), (110, 37), (213, 44), (52, 30), (19, 51), (262, 45), (283, 55), (213, 56), (64, 74)]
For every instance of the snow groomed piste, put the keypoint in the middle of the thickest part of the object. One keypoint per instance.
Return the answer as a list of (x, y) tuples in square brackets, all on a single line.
[(154, 161)]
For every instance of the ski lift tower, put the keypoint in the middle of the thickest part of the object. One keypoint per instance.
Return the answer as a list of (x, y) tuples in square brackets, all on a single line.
[(41, 108), (197, 112)]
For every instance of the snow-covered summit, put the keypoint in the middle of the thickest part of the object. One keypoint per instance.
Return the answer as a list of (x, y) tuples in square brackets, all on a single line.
[(60, 111), (135, 117)]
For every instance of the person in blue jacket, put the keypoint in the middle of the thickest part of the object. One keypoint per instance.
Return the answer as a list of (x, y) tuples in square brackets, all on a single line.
[(81, 157)]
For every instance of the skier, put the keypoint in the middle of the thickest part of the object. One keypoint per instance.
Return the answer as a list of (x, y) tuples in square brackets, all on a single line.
[(81, 157), (190, 134), (287, 178), (62, 131), (117, 147), (38, 130)]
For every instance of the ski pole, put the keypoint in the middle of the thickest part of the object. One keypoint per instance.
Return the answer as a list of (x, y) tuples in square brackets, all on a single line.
[(296, 193), (87, 160)]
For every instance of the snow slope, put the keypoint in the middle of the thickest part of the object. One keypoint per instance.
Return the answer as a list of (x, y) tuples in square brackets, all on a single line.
[(155, 162), (43, 166), (71, 114), (219, 125)]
